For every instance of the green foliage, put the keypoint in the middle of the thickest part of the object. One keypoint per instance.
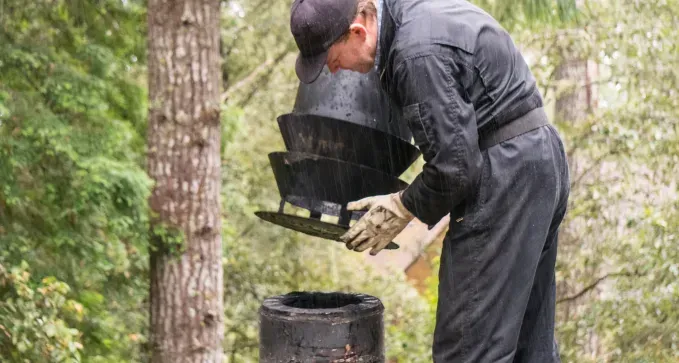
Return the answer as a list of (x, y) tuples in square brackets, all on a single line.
[(34, 318), (534, 14), (617, 266), (73, 196), (168, 239)]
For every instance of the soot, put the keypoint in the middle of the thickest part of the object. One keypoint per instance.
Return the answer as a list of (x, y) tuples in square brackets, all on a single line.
[(317, 300)]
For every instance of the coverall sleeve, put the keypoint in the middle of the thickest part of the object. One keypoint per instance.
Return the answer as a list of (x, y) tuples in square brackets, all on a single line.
[(442, 120)]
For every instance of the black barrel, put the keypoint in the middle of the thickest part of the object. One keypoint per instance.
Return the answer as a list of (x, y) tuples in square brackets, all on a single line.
[(321, 327)]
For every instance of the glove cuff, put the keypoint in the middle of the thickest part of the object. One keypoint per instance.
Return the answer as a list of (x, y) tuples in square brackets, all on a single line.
[(402, 210)]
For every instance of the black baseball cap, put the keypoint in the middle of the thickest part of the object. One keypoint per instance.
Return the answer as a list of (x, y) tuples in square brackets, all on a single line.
[(316, 25)]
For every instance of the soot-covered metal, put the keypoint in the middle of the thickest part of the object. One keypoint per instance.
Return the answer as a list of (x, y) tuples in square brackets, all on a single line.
[(344, 142), (347, 141), (321, 327)]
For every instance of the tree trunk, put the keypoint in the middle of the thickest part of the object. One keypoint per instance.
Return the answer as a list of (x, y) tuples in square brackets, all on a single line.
[(184, 159), (578, 96), (576, 99)]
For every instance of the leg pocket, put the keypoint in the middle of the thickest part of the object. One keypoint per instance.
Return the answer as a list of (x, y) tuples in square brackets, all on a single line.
[(470, 211)]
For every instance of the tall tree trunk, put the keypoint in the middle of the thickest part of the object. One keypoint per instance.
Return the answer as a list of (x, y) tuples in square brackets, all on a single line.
[(576, 100), (184, 159), (579, 97)]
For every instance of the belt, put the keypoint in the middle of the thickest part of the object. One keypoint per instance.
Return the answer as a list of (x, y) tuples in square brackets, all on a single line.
[(528, 122)]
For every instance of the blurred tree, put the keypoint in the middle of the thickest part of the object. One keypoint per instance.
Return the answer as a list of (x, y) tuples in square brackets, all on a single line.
[(184, 160), (33, 319), (73, 195), (614, 261), (531, 14)]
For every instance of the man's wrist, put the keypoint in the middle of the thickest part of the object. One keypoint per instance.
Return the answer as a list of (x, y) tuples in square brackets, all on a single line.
[(399, 200)]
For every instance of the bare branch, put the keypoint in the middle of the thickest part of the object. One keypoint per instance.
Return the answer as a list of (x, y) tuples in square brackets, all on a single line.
[(245, 80), (579, 139), (596, 163), (594, 284), (261, 71), (237, 31), (246, 231), (263, 79)]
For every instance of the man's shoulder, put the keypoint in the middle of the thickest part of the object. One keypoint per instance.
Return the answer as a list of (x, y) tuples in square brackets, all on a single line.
[(423, 26)]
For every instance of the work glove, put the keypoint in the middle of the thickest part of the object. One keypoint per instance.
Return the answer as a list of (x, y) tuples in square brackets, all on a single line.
[(385, 219)]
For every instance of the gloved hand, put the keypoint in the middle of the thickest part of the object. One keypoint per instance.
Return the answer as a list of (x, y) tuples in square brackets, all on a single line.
[(385, 219)]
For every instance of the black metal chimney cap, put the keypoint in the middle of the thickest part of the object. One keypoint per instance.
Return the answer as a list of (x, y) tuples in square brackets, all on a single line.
[(353, 97), (347, 141), (330, 180)]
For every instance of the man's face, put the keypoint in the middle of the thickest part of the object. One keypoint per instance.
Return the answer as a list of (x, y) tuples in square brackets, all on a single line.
[(357, 51)]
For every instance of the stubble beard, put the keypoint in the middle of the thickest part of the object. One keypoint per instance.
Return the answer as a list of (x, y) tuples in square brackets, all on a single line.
[(368, 63)]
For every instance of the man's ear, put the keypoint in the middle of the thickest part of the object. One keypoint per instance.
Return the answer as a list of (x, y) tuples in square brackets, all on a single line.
[(359, 30)]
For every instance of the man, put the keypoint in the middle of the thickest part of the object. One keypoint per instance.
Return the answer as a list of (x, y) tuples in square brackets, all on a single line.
[(492, 162)]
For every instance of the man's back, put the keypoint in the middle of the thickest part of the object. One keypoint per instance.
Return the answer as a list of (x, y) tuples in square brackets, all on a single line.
[(492, 71)]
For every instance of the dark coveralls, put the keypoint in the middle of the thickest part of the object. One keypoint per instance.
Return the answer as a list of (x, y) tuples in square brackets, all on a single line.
[(470, 100)]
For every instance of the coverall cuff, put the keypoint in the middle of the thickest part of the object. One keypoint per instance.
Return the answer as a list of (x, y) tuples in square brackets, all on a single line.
[(424, 203)]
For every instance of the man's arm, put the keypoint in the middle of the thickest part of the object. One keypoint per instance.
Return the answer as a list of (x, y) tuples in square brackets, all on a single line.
[(443, 123)]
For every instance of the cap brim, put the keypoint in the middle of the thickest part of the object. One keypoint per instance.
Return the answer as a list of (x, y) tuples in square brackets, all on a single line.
[(309, 68)]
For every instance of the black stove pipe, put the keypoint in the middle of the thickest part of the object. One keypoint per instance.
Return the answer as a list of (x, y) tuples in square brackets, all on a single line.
[(303, 327)]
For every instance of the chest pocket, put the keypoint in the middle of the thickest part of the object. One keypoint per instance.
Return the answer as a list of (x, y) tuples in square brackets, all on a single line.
[(420, 128)]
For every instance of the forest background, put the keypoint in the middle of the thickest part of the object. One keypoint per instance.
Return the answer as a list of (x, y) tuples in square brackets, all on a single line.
[(74, 187)]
